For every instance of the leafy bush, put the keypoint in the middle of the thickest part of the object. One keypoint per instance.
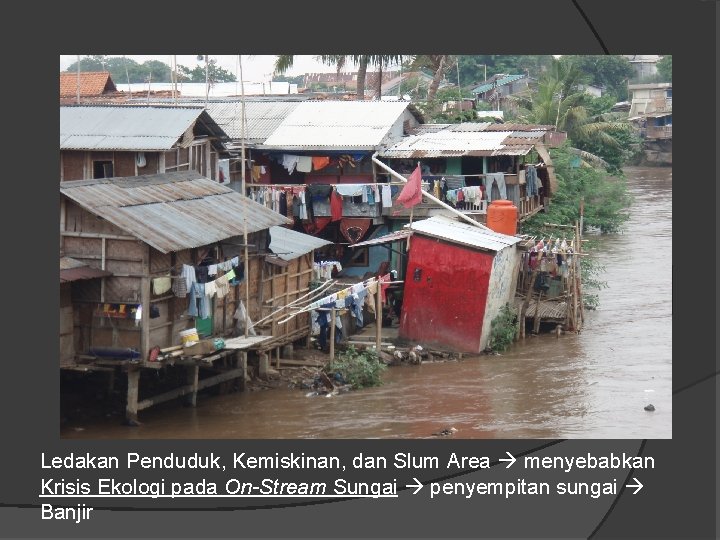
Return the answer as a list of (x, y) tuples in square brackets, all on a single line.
[(503, 329), (361, 369)]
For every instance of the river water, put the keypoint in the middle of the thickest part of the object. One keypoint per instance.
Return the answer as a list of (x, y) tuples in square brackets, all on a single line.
[(589, 385)]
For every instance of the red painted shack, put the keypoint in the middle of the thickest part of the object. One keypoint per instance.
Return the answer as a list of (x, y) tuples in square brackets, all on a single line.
[(458, 278)]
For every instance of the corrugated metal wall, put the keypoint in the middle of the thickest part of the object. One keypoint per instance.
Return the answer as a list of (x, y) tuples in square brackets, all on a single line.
[(446, 288)]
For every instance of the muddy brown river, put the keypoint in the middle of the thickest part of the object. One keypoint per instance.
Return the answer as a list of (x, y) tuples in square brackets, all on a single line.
[(591, 385)]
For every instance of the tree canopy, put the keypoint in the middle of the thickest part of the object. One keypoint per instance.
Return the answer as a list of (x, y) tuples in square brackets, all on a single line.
[(664, 67), (125, 70), (610, 72)]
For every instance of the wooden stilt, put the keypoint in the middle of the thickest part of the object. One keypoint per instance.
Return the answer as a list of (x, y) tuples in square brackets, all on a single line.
[(378, 318), (243, 367), (536, 325), (277, 357), (332, 334), (131, 409), (192, 381)]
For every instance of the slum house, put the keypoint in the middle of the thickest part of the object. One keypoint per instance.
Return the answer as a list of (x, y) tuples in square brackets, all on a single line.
[(71, 271), (302, 152), (549, 286), (152, 233), (104, 141), (458, 278), (469, 165), (86, 85), (651, 113), (499, 87)]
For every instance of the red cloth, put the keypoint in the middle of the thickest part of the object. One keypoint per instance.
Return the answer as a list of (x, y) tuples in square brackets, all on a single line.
[(317, 225), (353, 229), (320, 162), (411, 193), (335, 205), (383, 287)]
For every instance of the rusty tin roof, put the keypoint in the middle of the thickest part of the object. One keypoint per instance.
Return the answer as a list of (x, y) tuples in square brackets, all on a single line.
[(172, 211)]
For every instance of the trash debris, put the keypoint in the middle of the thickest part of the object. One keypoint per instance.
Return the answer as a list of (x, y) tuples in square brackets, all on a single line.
[(445, 432), (650, 407)]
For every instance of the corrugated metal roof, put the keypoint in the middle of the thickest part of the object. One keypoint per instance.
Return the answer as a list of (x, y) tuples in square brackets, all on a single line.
[(467, 139), (459, 232), (128, 127), (262, 117), (499, 82), (288, 244), (519, 127), (172, 211), (336, 125), (392, 237), (72, 270)]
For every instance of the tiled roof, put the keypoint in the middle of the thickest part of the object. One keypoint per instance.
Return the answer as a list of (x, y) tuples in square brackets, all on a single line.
[(92, 83)]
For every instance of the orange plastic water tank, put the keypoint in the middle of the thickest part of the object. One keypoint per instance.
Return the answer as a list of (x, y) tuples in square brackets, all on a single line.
[(502, 217)]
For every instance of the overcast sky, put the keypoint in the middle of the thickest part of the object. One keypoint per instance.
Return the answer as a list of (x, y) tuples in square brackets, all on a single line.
[(256, 68)]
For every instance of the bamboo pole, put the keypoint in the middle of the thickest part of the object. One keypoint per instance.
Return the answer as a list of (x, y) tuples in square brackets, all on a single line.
[(378, 318), (244, 197), (332, 334), (431, 197)]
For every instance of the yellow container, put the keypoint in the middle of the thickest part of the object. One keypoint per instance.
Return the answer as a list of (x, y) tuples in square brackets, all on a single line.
[(189, 336)]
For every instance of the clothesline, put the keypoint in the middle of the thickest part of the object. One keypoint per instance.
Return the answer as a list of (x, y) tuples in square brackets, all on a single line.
[(311, 294), (354, 289), (276, 185)]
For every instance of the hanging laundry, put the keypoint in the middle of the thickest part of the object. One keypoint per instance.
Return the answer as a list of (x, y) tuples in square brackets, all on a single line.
[(336, 206), (201, 273), (386, 196), (354, 229), (370, 194), (350, 190), (282, 203), (222, 286), (210, 289), (304, 164), (319, 192), (383, 287), (531, 180), (193, 296), (239, 274), (320, 162), (179, 286), (498, 179), (255, 173), (161, 285), (303, 207), (411, 193), (189, 273), (290, 161)]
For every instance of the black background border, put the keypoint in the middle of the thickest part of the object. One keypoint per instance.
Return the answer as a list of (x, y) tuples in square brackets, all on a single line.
[(681, 494)]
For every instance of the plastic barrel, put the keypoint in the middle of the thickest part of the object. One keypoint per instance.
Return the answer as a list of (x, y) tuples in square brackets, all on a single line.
[(502, 217)]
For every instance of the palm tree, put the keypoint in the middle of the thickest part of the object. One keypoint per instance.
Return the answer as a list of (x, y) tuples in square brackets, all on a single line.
[(558, 102), (438, 64), (285, 62)]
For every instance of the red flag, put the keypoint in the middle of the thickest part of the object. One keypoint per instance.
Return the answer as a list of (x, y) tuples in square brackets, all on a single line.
[(411, 193)]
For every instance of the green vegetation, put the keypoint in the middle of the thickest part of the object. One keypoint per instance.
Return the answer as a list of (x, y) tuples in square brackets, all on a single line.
[(503, 329), (606, 200), (664, 67), (361, 369), (605, 197), (124, 70)]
